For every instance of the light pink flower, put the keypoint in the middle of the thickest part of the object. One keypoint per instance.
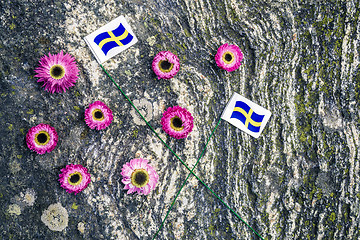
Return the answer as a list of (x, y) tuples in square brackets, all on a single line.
[(138, 176), (177, 122), (165, 65), (42, 138), (58, 72), (74, 178), (98, 115), (229, 57)]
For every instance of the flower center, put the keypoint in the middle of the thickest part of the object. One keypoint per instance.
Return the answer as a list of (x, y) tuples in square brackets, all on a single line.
[(176, 123), (42, 138), (98, 115), (165, 66), (139, 178), (57, 71), (75, 179), (228, 57)]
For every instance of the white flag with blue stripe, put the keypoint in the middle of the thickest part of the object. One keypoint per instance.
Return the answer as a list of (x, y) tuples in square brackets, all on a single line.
[(111, 39), (246, 115)]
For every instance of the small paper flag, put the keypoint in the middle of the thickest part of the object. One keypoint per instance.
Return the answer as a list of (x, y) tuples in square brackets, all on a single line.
[(111, 39), (246, 115)]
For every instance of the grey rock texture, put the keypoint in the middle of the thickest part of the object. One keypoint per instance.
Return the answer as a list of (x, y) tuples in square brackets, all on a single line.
[(299, 180)]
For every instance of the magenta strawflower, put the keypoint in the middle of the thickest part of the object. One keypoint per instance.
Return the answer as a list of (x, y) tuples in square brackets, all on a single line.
[(98, 115), (138, 176), (74, 178), (165, 65), (177, 122), (229, 57), (58, 72), (42, 138)]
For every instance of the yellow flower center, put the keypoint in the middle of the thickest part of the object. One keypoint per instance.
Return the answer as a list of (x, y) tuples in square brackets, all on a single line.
[(42, 138), (75, 178), (57, 71), (139, 178), (98, 115), (176, 123), (165, 66), (228, 57)]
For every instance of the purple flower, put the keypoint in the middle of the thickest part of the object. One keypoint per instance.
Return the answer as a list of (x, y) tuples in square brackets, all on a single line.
[(74, 178), (138, 176), (165, 65), (58, 72), (177, 122), (42, 138), (98, 115), (229, 57)]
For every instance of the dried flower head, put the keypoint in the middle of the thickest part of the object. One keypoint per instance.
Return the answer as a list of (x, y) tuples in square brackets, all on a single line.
[(177, 122), (74, 178), (138, 176), (98, 115), (42, 138), (229, 57), (165, 65), (58, 72)]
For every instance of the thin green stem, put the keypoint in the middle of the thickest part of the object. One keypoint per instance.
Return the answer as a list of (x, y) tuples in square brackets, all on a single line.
[(184, 183), (191, 171)]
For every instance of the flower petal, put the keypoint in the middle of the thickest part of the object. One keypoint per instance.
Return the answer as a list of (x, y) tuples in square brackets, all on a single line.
[(139, 163), (70, 169), (67, 62), (184, 115), (235, 63), (169, 57), (100, 123)]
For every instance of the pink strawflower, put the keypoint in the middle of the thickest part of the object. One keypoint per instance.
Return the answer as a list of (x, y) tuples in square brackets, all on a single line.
[(98, 115), (138, 176), (58, 72), (177, 122), (42, 138), (165, 65), (229, 57), (74, 178)]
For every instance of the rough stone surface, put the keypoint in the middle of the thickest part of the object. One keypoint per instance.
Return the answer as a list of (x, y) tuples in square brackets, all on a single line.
[(299, 180)]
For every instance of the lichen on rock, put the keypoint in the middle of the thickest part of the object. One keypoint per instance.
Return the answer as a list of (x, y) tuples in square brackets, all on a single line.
[(28, 197), (145, 108), (55, 217), (14, 209)]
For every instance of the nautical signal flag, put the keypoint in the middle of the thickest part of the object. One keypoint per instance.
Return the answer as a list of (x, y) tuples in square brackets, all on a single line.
[(111, 39), (246, 115)]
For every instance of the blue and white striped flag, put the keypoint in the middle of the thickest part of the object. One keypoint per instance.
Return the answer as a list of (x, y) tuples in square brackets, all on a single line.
[(246, 115), (111, 39)]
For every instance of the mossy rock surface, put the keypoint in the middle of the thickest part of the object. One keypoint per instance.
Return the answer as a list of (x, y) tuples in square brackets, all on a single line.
[(298, 180)]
